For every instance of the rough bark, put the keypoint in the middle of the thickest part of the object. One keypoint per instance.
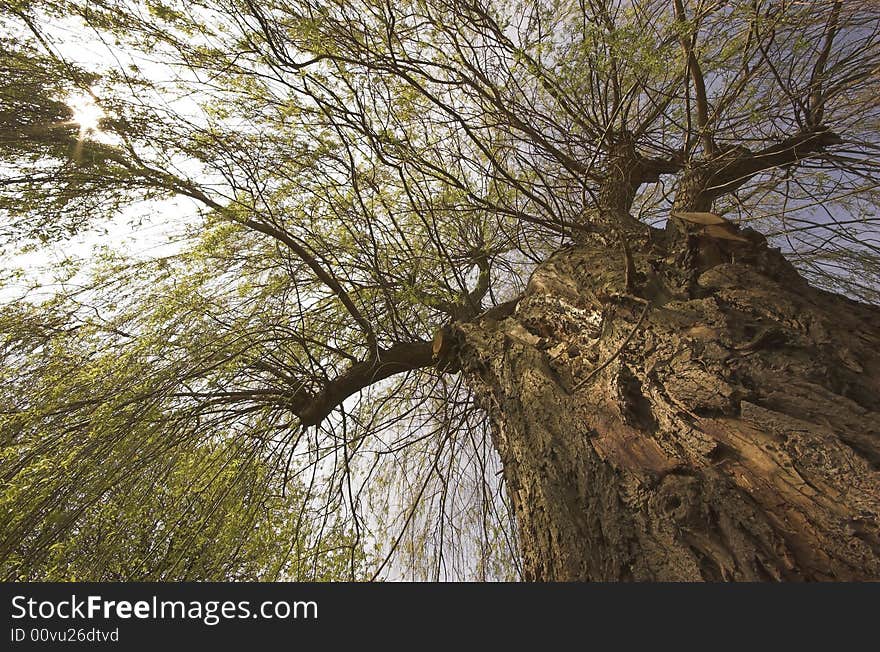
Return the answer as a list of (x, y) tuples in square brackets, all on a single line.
[(717, 420)]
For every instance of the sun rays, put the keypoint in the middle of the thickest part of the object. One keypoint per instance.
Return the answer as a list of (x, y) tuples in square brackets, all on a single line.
[(86, 113)]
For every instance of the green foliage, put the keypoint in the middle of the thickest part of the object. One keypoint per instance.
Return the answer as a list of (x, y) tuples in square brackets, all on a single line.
[(118, 463), (367, 172)]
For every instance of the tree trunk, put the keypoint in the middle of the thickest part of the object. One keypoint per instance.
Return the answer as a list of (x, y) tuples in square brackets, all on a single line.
[(713, 420)]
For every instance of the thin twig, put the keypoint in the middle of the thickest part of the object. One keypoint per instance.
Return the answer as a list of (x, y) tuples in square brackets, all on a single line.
[(617, 352)]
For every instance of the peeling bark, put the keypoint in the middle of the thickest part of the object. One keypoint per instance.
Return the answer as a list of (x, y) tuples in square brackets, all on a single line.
[(717, 423)]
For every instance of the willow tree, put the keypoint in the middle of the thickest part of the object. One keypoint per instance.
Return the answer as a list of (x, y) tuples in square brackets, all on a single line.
[(623, 252)]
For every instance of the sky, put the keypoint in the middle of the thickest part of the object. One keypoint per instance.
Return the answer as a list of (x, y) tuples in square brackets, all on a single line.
[(143, 229)]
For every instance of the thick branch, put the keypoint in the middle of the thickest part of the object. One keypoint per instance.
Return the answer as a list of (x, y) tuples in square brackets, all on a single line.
[(788, 152), (475, 296), (696, 74), (401, 357), (469, 303), (817, 97)]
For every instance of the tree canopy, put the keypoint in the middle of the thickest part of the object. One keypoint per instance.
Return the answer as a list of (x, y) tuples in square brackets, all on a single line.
[(276, 396)]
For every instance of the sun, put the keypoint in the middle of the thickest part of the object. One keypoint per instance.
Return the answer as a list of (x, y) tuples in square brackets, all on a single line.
[(86, 113)]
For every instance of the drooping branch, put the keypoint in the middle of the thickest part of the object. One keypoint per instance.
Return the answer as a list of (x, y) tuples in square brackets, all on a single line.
[(328, 279), (174, 184)]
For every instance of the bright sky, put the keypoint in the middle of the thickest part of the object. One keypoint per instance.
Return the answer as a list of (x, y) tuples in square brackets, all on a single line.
[(144, 229), (86, 113)]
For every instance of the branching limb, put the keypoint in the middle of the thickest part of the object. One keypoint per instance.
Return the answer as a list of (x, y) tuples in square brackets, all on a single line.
[(702, 103), (816, 102)]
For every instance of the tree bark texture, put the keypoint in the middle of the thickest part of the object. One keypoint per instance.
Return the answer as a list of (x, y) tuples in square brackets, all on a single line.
[(704, 415)]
